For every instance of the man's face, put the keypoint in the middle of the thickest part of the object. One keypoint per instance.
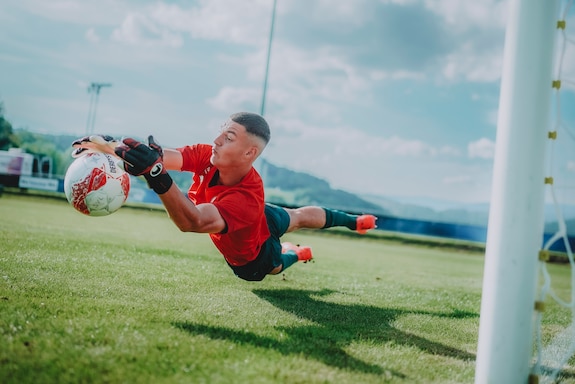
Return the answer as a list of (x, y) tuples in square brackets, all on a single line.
[(231, 145)]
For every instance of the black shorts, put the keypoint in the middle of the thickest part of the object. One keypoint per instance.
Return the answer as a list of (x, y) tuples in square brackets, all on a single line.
[(270, 253)]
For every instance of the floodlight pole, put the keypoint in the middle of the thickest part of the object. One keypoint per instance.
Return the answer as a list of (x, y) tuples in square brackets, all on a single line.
[(94, 90), (264, 93), (260, 162), (515, 229)]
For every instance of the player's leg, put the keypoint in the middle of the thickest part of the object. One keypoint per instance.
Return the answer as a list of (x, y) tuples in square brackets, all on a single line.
[(320, 218), (291, 254), (282, 255), (283, 220)]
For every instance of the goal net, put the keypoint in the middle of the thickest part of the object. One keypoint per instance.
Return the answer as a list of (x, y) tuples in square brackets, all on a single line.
[(552, 358)]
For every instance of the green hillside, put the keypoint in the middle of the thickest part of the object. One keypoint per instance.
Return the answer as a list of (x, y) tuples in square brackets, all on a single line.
[(290, 188)]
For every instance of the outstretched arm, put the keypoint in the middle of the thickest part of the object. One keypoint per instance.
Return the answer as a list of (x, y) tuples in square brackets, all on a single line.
[(107, 144), (173, 159), (152, 162), (201, 218)]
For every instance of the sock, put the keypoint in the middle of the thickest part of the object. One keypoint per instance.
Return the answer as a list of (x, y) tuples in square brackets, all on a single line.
[(335, 218), (289, 258)]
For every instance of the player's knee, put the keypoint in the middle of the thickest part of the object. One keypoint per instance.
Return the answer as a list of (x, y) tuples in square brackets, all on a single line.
[(294, 219), (276, 270)]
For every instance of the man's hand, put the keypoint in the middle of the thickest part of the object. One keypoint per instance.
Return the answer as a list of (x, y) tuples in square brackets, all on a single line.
[(94, 143), (145, 160)]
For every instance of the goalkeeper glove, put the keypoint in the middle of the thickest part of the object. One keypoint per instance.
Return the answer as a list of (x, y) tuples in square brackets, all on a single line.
[(94, 143), (145, 160)]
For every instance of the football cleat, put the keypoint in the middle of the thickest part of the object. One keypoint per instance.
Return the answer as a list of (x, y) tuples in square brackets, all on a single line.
[(364, 223), (303, 253)]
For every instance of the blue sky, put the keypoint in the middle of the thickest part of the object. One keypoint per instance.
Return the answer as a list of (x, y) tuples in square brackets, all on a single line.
[(389, 97)]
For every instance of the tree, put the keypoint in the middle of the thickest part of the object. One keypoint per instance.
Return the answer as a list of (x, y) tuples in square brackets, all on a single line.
[(44, 145), (7, 138)]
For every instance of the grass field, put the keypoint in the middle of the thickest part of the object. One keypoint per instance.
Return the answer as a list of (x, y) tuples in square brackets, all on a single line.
[(127, 298)]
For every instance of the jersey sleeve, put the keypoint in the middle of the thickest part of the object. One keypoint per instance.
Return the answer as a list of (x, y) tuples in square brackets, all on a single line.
[(195, 158)]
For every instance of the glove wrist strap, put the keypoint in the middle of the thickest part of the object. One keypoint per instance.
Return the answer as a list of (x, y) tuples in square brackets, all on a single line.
[(161, 183)]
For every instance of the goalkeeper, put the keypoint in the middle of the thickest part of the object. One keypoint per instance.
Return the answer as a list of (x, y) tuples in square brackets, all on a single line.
[(226, 198)]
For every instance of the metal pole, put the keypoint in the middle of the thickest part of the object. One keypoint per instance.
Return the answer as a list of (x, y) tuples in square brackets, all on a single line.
[(90, 110), (260, 163), (515, 228), (96, 95), (94, 88), (262, 109)]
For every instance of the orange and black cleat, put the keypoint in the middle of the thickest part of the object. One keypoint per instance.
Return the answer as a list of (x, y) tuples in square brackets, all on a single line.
[(303, 253), (364, 223)]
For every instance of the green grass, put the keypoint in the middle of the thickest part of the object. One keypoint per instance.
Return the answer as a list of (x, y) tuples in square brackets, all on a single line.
[(127, 298)]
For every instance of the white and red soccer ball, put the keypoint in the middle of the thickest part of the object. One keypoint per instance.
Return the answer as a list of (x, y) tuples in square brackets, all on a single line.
[(96, 185)]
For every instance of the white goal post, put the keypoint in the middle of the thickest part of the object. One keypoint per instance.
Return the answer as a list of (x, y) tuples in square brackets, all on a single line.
[(515, 228)]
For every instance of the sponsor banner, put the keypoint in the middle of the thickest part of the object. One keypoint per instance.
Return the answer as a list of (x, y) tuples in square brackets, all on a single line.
[(11, 165), (38, 183), (16, 163)]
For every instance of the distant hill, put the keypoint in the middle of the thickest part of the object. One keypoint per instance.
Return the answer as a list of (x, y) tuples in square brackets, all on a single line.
[(290, 188), (428, 209)]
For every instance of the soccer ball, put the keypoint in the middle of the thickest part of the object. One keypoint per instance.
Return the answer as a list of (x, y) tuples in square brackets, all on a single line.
[(96, 185)]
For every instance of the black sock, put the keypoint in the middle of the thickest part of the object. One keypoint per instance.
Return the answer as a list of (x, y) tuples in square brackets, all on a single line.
[(335, 218)]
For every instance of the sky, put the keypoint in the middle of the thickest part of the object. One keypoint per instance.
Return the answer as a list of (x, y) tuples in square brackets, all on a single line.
[(397, 98)]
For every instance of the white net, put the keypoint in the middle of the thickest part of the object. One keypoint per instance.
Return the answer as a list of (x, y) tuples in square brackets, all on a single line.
[(553, 357)]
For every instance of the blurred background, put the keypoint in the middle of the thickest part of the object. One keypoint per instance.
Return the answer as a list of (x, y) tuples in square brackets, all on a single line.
[(385, 106)]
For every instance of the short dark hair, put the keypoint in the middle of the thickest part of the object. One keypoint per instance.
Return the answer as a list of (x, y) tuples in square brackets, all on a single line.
[(254, 124)]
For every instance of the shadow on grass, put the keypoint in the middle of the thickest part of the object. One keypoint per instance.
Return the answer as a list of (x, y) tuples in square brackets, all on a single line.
[(564, 374), (335, 327)]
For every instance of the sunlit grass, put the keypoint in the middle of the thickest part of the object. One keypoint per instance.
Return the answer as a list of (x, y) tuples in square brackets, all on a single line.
[(128, 298)]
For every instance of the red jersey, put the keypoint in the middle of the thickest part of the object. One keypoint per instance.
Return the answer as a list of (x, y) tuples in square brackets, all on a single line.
[(241, 205)]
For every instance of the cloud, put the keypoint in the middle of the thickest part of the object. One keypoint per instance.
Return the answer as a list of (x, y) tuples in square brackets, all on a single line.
[(492, 116), (233, 99), (101, 12), (401, 147), (138, 29), (461, 179), (453, 40), (466, 15), (482, 148), (477, 50), (471, 64), (450, 151), (92, 36), (320, 74), (388, 43), (215, 20), (243, 22), (345, 141)]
